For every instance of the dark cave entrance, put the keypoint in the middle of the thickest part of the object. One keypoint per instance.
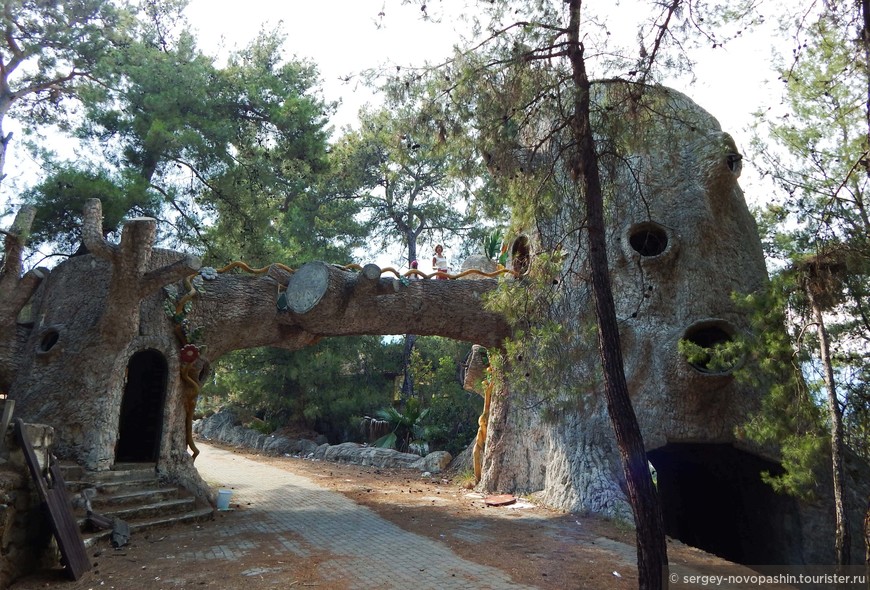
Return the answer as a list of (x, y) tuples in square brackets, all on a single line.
[(141, 420), (713, 498)]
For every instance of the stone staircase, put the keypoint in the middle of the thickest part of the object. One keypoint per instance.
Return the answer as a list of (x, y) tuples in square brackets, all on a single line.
[(133, 493)]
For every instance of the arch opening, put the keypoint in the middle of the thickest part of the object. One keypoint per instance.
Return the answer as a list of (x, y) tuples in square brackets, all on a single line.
[(713, 498), (48, 340), (140, 424)]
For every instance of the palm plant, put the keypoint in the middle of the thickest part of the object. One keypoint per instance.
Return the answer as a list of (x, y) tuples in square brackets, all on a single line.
[(407, 427)]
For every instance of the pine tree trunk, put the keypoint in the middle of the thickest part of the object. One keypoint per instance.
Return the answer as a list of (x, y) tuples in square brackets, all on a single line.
[(865, 40), (842, 543), (651, 546), (867, 541), (408, 380)]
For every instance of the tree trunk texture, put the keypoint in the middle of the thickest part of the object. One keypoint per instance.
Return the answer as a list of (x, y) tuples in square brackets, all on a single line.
[(407, 370), (842, 536), (16, 289), (652, 556)]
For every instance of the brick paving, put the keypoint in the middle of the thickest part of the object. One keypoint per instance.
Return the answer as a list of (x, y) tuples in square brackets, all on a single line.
[(289, 514)]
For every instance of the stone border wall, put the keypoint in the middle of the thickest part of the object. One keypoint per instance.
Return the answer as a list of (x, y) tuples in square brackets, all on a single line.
[(225, 427)]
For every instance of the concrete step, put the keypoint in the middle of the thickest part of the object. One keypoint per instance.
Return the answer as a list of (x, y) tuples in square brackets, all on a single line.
[(147, 511), (136, 471), (113, 487), (120, 472), (71, 471), (136, 495), (131, 492), (137, 526)]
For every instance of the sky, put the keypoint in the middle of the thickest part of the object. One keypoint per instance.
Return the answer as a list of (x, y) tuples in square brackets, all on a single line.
[(344, 37)]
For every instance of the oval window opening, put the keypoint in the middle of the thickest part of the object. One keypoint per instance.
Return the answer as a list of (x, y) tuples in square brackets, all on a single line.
[(521, 255), (648, 240), (707, 349), (48, 340)]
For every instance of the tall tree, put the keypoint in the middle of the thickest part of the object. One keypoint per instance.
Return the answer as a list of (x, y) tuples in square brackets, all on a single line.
[(399, 169), (196, 144), (48, 48), (817, 152), (529, 102), (583, 163)]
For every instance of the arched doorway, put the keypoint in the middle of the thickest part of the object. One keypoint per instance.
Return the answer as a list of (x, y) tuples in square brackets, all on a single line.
[(713, 498), (141, 421)]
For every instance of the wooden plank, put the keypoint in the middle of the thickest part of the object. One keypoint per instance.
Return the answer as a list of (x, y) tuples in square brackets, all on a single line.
[(67, 520), (30, 459), (60, 515)]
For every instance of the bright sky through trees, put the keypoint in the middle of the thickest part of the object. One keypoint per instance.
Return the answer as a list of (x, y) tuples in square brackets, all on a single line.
[(347, 36)]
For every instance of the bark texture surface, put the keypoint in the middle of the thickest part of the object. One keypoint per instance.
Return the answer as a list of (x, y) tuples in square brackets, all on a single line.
[(680, 242), (93, 314)]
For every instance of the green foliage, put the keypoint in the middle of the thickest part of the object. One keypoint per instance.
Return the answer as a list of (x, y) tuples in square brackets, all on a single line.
[(492, 244), (261, 426), (815, 234), (791, 415), (407, 426), (224, 153), (50, 46), (450, 412), (452, 421), (453, 412), (324, 387), (546, 360), (60, 199), (402, 169), (718, 358)]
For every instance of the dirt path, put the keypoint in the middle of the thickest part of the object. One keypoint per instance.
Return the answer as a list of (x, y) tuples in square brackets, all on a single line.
[(382, 529)]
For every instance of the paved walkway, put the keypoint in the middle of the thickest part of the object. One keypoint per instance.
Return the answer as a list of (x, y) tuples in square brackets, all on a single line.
[(368, 551)]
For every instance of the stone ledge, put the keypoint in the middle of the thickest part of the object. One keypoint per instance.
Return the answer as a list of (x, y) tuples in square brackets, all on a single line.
[(225, 427)]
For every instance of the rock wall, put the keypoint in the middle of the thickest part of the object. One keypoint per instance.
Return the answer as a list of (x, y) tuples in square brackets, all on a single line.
[(225, 427)]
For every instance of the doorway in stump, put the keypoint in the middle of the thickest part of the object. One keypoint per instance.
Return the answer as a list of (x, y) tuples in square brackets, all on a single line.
[(141, 420), (713, 498)]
